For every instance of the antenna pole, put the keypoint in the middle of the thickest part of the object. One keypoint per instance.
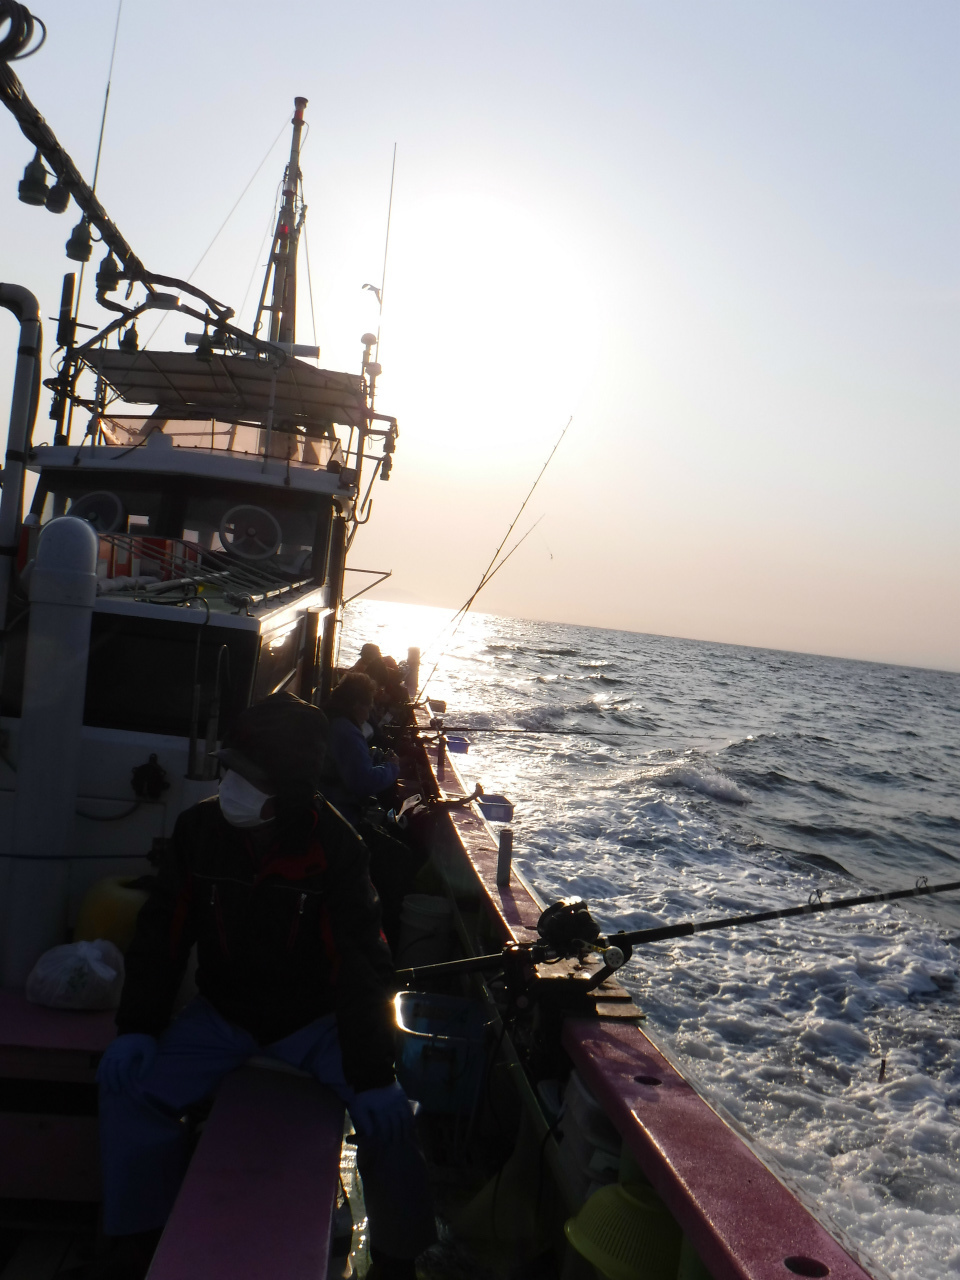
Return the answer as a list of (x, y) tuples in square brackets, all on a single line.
[(286, 238), (386, 248)]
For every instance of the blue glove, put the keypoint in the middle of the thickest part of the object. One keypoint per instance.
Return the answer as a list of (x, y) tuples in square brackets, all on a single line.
[(383, 1114), (125, 1060)]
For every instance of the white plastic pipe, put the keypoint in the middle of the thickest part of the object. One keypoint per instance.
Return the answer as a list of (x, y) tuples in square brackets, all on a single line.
[(63, 587), (23, 411)]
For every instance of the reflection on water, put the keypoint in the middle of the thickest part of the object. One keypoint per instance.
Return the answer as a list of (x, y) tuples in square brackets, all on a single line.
[(666, 779)]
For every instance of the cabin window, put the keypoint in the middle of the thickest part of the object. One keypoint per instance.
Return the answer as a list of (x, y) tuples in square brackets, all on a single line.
[(140, 673), (295, 524), (279, 659)]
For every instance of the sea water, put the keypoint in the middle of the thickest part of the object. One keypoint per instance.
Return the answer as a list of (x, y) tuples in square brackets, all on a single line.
[(663, 780)]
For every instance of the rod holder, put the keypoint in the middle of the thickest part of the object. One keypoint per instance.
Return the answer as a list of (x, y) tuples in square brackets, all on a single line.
[(505, 857)]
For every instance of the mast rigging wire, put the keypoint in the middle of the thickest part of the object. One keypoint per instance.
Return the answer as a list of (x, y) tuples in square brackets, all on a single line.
[(223, 224), (256, 263), (306, 251)]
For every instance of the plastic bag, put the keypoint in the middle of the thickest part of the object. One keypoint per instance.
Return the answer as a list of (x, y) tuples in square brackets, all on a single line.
[(78, 975)]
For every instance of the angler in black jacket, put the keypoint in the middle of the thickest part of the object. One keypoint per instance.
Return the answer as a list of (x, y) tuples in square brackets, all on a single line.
[(271, 884)]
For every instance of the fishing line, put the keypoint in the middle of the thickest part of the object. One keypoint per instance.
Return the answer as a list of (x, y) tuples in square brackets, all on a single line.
[(520, 512), (487, 574), (461, 613)]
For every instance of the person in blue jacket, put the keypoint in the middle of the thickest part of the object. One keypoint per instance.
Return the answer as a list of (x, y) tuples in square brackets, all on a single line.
[(353, 773), (272, 886)]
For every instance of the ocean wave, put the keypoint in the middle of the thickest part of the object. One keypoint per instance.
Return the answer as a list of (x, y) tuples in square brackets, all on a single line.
[(642, 809), (700, 778)]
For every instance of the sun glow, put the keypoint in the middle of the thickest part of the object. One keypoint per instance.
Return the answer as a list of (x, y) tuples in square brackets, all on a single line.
[(498, 302)]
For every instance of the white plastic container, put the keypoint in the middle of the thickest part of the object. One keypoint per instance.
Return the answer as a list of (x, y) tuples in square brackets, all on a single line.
[(426, 924), (589, 1143)]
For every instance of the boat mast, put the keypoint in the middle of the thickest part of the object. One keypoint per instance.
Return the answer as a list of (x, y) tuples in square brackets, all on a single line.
[(286, 238)]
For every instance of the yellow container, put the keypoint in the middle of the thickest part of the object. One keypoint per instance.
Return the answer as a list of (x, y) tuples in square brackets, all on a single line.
[(627, 1233), (109, 910)]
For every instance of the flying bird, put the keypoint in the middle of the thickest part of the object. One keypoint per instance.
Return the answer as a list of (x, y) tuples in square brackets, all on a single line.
[(373, 289)]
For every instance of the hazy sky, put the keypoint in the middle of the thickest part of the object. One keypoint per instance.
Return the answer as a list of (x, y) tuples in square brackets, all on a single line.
[(722, 234)]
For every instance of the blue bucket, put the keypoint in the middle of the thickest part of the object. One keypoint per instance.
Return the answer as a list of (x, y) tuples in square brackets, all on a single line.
[(440, 1050), (496, 808)]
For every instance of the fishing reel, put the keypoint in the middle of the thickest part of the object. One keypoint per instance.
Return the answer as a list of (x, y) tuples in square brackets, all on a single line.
[(552, 971), (568, 928), (569, 931)]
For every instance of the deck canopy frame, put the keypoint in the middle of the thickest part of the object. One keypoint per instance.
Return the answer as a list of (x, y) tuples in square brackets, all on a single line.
[(235, 387)]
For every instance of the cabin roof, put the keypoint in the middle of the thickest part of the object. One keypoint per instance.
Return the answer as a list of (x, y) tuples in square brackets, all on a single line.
[(232, 386), (152, 459)]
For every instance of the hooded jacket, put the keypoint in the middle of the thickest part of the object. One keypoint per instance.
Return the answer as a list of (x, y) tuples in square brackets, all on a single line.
[(287, 929)]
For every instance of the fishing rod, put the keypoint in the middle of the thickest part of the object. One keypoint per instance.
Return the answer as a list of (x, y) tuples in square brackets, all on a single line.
[(546, 733), (568, 931), (489, 572)]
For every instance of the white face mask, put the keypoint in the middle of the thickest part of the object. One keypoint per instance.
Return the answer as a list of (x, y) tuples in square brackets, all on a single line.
[(240, 801)]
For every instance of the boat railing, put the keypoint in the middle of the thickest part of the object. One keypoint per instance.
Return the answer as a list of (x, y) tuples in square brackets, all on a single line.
[(147, 566)]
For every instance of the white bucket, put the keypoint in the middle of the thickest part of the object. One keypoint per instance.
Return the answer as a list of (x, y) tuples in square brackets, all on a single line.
[(425, 929)]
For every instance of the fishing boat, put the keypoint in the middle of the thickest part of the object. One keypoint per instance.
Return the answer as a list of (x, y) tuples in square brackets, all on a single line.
[(183, 556)]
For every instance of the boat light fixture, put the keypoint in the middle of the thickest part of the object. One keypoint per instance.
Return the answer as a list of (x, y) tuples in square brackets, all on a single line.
[(33, 185), (129, 340), (108, 277), (58, 197), (80, 244), (205, 349)]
